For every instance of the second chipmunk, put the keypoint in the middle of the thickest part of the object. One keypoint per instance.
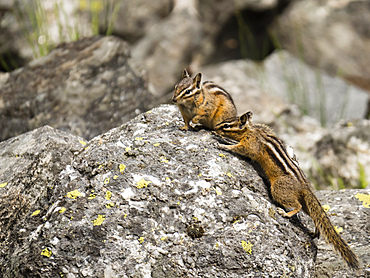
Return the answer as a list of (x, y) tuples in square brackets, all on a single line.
[(289, 186), (204, 103)]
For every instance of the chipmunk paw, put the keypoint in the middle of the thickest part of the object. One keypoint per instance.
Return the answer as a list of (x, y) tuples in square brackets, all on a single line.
[(281, 212)]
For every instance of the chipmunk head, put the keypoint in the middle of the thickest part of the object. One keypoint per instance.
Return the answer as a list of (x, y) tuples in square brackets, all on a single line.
[(187, 89), (235, 127)]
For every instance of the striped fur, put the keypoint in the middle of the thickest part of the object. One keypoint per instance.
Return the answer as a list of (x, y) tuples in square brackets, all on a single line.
[(204, 103), (289, 186)]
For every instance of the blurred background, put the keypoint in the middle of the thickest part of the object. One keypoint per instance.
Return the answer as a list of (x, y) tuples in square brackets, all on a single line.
[(301, 66)]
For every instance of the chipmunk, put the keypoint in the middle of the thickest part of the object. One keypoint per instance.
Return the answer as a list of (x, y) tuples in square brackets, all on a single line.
[(289, 186), (204, 103)]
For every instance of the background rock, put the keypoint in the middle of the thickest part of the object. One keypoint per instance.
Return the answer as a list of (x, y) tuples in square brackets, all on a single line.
[(85, 87), (149, 188), (333, 35), (135, 18), (30, 29), (342, 156), (169, 45)]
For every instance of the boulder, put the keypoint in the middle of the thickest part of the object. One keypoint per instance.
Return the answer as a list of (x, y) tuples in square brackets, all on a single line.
[(342, 156), (86, 87), (147, 200), (332, 35)]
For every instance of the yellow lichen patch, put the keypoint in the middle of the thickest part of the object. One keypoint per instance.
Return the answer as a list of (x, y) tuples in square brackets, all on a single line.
[(141, 239), (139, 138), (222, 155), (272, 213), (36, 212), (83, 143), (338, 229), (291, 267), (326, 207), (109, 205), (200, 174), (108, 195), (46, 252), (91, 196), (142, 183), (63, 209), (247, 246), (164, 159), (229, 174), (99, 220), (115, 177), (122, 168), (217, 245), (74, 194), (364, 198), (106, 181), (128, 149), (156, 144), (100, 166), (167, 123), (163, 238), (2, 185), (218, 192)]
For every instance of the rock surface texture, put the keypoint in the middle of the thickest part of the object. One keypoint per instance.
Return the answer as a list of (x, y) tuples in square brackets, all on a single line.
[(86, 88), (148, 200)]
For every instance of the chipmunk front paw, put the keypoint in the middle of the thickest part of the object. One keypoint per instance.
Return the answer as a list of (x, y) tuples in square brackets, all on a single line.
[(281, 212), (223, 147)]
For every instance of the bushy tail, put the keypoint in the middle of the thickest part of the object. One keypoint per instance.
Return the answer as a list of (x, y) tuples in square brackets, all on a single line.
[(322, 222)]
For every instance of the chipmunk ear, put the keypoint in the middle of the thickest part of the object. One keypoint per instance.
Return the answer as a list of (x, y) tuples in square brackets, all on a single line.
[(197, 79), (185, 74), (245, 118)]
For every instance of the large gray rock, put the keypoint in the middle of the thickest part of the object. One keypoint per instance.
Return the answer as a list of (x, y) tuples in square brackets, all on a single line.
[(146, 200), (85, 87), (333, 35)]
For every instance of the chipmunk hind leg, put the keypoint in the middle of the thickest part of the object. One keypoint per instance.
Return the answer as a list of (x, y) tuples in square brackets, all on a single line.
[(284, 192)]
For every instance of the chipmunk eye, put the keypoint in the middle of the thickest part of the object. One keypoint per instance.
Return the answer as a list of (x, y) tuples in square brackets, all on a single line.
[(227, 126), (187, 92)]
